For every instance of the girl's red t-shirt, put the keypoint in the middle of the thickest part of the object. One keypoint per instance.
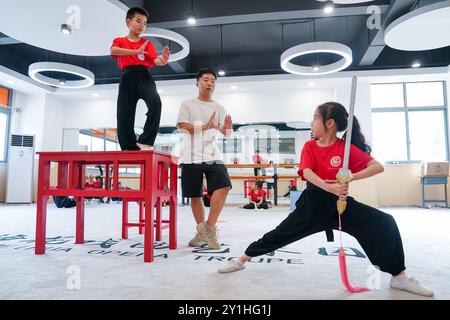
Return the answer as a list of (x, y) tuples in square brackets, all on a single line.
[(326, 161)]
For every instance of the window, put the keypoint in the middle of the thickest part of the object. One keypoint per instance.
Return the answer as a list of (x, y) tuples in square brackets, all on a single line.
[(99, 139), (425, 94), (287, 145), (165, 148), (387, 95), (111, 146), (98, 144), (85, 140), (267, 145), (5, 112), (275, 145), (409, 121), (426, 134), (3, 135), (230, 145)]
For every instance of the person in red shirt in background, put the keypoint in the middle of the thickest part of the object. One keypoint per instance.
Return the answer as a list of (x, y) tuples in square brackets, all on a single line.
[(292, 187), (257, 197), (97, 184), (321, 159), (89, 182), (134, 56), (257, 159)]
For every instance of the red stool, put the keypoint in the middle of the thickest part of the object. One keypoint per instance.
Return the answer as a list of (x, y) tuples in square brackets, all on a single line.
[(161, 193)]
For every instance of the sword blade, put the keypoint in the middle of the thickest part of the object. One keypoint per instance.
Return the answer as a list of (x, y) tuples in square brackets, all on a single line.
[(350, 123)]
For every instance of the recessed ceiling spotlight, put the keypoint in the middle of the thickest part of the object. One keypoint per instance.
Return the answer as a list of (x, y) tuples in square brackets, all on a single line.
[(66, 29), (329, 7), (192, 19)]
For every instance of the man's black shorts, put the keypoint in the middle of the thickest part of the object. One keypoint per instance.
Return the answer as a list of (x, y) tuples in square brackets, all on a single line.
[(192, 178)]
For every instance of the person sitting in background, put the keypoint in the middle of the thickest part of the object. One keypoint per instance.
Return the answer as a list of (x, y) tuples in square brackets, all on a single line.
[(89, 184), (292, 187), (257, 197), (64, 202), (98, 184)]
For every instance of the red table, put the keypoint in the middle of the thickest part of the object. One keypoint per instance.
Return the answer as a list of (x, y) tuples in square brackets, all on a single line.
[(158, 181)]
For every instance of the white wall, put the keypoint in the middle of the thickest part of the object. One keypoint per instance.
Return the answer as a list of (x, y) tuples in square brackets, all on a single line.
[(53, 126), (244, 107), (41, 115)]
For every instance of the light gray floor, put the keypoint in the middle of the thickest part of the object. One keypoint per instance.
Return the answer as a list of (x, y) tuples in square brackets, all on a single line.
[(115, 269)]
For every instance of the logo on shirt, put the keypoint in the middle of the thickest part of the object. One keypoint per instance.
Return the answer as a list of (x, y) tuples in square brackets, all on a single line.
[(335, 161), (141, 57)]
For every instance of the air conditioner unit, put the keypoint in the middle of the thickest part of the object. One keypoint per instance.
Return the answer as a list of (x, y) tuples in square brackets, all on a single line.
[(19, 187)]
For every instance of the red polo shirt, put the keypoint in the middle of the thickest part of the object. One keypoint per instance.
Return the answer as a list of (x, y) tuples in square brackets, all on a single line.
[(134, 60)]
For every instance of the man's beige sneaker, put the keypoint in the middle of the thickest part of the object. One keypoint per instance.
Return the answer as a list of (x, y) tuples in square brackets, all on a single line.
[(209, 235), (196, 241)]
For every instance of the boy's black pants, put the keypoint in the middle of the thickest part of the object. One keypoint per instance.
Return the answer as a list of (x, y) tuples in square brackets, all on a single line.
[(137, 83)]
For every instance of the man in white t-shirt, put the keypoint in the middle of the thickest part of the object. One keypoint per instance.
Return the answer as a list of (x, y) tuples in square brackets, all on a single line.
[(200, 120)]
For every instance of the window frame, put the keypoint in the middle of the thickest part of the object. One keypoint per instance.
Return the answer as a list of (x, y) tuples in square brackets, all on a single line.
[(406, 110), (7, 112)]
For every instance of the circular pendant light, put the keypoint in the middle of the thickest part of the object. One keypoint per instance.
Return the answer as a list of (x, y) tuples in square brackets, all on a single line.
[(34, 71), (316, 47), (172, 36)]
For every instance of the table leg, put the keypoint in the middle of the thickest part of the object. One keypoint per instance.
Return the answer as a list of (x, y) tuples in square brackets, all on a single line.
[(149, 202), (41, 209), (79, 232), (124, 219), (158, 219)]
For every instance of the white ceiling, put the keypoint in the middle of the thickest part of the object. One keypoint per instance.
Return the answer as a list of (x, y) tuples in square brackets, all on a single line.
[(94, 24), (426, 28)]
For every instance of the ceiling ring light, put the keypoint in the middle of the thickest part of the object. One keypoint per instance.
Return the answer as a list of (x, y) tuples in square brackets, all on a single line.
[(316, 47), (172, 36), (34, 71)]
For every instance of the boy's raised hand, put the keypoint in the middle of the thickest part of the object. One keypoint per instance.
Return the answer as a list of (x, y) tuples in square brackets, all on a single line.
[(165, 55), (142, 48)]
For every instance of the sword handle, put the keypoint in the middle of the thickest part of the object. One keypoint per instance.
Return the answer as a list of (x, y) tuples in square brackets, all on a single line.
[(344, 176)]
